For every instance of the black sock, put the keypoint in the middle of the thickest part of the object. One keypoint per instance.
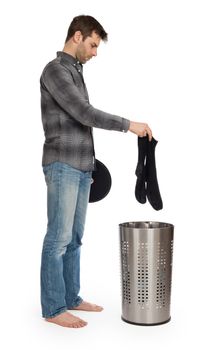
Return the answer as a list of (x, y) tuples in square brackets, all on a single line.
[(140, 189), (152, 191)]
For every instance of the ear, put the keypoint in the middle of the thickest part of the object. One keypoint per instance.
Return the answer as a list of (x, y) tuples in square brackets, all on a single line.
[(77, 37)]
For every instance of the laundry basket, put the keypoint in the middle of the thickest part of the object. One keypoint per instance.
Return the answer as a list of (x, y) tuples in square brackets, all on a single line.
[(146, 250)]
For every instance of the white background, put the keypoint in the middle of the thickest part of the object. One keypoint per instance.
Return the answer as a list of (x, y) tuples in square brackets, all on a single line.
[(158, 67)]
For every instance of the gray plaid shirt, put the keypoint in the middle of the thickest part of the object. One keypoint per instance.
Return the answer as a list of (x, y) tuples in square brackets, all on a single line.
[(68, 117)]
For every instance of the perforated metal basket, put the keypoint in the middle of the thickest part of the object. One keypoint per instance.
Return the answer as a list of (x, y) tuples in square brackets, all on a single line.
[(146, 271)]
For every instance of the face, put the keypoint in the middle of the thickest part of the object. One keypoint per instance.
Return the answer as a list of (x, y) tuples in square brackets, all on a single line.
[(88, 48)]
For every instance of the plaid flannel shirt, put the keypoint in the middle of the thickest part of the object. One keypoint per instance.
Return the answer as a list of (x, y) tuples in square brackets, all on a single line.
[(68, 117)]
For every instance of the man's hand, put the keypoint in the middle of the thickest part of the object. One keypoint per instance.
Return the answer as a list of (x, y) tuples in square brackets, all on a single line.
[(140, 129)]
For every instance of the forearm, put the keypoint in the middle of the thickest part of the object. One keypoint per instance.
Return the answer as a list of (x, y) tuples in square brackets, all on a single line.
[(96, 118)]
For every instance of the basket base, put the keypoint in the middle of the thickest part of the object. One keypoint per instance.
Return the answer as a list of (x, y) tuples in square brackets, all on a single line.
[(146, 324)]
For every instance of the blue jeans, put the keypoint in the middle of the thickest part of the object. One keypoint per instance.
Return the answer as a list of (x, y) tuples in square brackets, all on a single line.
[(67, 199)]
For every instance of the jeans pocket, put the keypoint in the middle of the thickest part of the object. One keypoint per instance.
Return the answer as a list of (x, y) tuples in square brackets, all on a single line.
[(47, 169)]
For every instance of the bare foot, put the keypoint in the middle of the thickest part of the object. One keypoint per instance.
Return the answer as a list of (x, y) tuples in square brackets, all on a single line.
[(85, 306), (67, 320)]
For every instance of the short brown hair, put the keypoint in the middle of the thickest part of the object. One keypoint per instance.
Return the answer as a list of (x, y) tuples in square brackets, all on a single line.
[(86, 25)]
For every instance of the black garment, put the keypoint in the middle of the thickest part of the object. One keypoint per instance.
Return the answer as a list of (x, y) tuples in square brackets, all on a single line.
[(147, 183), (140, 189)]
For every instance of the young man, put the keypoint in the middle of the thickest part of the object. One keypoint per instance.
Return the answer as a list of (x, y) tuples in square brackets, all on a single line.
[(68, 161)]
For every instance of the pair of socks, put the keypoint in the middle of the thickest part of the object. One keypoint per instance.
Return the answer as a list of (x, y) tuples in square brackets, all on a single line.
[(147, 183)]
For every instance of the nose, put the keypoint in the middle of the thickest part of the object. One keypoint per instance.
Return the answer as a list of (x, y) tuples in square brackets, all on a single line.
[(94, 52)]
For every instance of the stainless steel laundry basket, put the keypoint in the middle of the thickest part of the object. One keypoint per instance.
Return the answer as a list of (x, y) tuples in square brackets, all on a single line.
[(146, 271)]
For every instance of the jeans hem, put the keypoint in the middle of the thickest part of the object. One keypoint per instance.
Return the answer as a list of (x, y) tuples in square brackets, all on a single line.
[(56, 314), (76, 304)]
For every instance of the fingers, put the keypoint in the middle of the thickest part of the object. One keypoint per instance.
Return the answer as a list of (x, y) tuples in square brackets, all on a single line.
[(146, 132), (140, 129), (149, 132)]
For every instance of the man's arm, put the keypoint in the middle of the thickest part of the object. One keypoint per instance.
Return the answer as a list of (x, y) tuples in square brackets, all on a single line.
[(59, 82)]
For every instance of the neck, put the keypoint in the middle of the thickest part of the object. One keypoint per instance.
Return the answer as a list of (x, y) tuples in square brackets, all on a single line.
[(70, 49)]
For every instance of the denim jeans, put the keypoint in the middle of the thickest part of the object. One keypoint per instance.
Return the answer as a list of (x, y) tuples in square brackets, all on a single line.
[(67, 199)]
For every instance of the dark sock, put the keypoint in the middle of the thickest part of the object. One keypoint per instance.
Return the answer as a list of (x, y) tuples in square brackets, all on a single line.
[(152, 190), (140, 188)]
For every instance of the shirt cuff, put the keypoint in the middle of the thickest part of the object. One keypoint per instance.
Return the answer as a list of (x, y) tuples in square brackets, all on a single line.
[(125, 124)]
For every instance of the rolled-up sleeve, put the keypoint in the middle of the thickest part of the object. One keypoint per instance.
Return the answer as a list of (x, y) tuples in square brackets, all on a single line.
[(58, 81)]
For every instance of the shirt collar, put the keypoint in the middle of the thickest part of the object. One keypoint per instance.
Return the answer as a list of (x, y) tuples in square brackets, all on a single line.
[(70, 59)]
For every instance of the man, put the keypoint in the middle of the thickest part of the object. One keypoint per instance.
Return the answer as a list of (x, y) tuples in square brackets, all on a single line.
[(68, 161)]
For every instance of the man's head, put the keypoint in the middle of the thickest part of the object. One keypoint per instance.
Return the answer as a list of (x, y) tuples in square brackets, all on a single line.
[(84, 36)]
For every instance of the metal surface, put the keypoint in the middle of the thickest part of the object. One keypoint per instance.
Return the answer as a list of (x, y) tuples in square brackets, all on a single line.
[(146, 271)]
